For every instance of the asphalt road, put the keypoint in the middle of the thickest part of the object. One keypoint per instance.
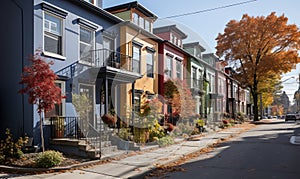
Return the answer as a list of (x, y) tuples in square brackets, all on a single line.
[(262, 152)]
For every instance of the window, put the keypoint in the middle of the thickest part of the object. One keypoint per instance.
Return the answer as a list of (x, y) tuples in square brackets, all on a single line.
[(109, 46), (135, 18), (194, 77), (172, 38), (53, 34), (147, 26), (149, 59), (86, 44), (178, 69), (141, 22), (137, 102), (136, 58), (58, 109), (168, 64)]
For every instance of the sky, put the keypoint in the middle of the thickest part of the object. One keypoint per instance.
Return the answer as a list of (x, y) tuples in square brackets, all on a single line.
[(207, 25)]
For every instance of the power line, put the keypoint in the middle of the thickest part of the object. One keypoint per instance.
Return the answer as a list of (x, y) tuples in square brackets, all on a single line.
[(207, 10)]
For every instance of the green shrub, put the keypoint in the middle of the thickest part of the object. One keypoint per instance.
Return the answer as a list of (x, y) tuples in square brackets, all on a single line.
[(10, 149), (164, 141), (48, 159), (156, 131)]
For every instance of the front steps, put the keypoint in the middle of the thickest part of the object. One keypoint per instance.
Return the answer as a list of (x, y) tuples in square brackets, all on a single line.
[(83, 148)]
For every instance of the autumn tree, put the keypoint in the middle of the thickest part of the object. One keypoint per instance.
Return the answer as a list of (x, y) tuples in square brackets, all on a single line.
[(179, 96), (259, 48), (39, 81)]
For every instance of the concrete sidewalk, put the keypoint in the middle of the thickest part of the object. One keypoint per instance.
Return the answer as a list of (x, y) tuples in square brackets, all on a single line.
[(139, 165)]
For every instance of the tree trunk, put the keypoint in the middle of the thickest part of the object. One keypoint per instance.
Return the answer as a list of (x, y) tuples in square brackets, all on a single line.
[(255, 105), (42, 133)]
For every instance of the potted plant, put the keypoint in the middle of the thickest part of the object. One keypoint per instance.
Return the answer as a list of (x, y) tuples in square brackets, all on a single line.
[(108, 119), (200, 125)]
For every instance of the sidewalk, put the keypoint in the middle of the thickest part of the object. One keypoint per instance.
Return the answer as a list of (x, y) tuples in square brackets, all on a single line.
[(139, 165)]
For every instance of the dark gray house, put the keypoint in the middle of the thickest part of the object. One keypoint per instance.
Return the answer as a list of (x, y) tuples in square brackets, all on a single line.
[(17, 44)]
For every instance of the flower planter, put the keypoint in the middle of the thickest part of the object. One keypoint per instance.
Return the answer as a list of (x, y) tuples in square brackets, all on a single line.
[(108, 119)]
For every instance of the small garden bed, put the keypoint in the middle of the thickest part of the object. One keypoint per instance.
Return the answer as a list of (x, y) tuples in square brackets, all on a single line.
[(28, 161)]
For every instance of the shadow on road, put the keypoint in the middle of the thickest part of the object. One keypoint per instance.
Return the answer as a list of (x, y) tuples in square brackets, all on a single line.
[(263, 152)]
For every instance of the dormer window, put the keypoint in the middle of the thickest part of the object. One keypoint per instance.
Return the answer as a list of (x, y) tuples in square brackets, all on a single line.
[(142, 22)]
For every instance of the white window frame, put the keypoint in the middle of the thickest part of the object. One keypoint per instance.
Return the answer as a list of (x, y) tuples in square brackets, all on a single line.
[(63, 93), (139, 57), (178, 70), (150, 55), (93, 44), (194, 77), (51, 34), (168, 66)]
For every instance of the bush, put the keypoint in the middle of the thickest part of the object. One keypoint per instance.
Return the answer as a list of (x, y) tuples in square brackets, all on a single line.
[(10, 149), (48, 159), (156, 131), (164, 141)]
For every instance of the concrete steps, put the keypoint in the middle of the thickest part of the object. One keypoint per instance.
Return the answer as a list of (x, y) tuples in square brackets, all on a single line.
[(83, 147)]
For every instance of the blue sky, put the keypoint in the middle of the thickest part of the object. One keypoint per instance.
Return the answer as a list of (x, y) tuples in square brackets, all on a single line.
[(208, 24)]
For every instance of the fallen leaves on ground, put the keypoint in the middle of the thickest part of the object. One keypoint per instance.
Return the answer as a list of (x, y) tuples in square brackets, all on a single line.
[(176, 166)]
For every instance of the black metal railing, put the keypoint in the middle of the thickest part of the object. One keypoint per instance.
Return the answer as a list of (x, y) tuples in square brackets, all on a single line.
[(98, 58), (107, 57), (65, 127), (74, 128)]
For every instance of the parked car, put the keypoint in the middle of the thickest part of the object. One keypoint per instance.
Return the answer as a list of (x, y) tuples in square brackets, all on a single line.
[(292, 117)]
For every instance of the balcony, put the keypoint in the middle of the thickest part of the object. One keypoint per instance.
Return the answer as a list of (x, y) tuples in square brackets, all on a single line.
[(106, 57), (102, 63)]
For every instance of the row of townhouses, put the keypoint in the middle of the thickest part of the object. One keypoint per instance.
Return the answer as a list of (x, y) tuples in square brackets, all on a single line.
[(114, 56)]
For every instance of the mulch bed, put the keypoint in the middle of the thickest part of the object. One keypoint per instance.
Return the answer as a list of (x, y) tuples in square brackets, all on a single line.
[(28, 161)]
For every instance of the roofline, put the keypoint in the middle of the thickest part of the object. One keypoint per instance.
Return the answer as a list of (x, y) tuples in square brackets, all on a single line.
[(194, 44), (175, 46), (143, 31), (97, 10), (133, 4), (169, 28), (210, 55)]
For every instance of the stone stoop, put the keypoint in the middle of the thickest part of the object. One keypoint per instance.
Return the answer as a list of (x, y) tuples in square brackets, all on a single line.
[(82, 148)]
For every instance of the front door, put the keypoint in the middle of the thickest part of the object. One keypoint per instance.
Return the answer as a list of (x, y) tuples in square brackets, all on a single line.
[(88, 90)]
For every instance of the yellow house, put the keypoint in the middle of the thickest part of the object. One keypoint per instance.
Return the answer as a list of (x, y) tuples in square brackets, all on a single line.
[(138, 42)]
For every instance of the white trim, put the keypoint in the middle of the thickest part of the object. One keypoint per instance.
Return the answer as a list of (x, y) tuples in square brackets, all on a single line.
[(63, 92), (93, 44), (62, 35), (54, 55)]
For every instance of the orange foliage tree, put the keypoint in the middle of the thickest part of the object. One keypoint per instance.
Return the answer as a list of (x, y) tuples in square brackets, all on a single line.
[(180, 97), (40, 87), (259, 47)]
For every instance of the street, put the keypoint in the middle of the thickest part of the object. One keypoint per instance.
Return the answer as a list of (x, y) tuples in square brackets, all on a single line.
[(262, 152)]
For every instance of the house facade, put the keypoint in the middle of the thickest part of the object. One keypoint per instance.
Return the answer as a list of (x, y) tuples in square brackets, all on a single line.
[(138, 41), (197, 73), (172, 58), (82, 40)]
